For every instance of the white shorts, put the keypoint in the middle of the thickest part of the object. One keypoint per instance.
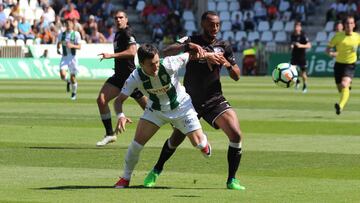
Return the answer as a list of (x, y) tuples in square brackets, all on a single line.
[(184, 117), (69, 63)]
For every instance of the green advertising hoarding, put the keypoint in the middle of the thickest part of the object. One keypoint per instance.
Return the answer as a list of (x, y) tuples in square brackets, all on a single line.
[(39, 68), (319, 64)]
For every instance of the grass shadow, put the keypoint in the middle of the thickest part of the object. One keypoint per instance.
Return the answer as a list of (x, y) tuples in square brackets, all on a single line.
[(84, 187)]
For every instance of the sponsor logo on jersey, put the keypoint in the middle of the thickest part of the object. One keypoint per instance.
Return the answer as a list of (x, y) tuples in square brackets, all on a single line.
[(159, 91)]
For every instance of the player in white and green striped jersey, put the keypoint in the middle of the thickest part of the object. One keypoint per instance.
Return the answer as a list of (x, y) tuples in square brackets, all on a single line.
[(168, 102)]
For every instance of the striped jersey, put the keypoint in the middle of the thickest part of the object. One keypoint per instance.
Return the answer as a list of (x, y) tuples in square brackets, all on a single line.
[(69, 36), (164, 91)]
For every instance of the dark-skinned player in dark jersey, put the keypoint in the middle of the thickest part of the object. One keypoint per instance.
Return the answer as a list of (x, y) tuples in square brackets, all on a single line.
[(202, 83), (124, 52)]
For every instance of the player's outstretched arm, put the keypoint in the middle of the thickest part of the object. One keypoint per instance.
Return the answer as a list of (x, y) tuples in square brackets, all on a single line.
[(122, 119), (129, 53)]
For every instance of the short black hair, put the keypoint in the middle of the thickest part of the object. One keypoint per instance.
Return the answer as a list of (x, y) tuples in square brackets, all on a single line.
[(206, 13), (146, 51)]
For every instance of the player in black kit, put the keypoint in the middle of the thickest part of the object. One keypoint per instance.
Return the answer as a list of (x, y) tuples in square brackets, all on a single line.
[(124, 53), (299, 44), (202, 83)]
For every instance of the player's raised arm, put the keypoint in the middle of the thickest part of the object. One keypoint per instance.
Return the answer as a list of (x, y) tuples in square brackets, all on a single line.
[(122, 119)]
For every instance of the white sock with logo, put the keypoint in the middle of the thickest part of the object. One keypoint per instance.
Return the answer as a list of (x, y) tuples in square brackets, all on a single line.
[(131, 159)]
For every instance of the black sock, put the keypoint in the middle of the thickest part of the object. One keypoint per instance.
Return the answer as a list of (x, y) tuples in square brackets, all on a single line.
[(304, 86), (234, 157), (165, 154), (108, 126)]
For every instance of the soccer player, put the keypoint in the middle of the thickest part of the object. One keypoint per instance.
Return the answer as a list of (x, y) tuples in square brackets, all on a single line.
[(202, 83), (346, 44), (124, 52), (299, 44), (69, 41), (168, 103)]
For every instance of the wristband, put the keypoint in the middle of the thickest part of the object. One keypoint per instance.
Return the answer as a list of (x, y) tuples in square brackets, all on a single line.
[(120, 115), (229, 68)]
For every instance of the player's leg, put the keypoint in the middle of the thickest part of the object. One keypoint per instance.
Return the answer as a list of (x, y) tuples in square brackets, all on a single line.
[(73, 68), (63, 69), (229, 123), (74, 86), (145, 130), (304, 78), (345, 92), (106, 94), (168, 149)]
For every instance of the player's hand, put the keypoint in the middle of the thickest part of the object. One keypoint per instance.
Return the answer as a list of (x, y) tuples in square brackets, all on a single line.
[(69, 45), (104, 56), (120, 127), (224, 62), (214, 58), (198, 49)]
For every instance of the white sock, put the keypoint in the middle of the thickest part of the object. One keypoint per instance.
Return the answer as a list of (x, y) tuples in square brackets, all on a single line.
[(131, 159), (74, 87), (202, 143)]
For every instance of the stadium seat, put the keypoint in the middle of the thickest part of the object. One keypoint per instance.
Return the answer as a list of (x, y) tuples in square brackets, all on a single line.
[(19, 42), (228, 34), (266, 36), (321, 37), (225, 26), (7, 12), (29, 42), (278, 25), (140, 6), (224, 15), (289, 26), (263, 26), (252, 36), (188, 15), (2, 41), (284, 6), (330, 35), (239, 35), (234, 13), (211, 6), (219, 35), (234, 6), (280, 36), (329, 26), (270, 46), (10, 42), (190, 25), (246, 13), (222, 6)]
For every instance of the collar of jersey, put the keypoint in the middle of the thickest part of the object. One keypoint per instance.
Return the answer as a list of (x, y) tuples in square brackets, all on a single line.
[(146, 73)]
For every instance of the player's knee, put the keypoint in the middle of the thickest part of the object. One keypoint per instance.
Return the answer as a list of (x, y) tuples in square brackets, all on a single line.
[(101, 101), (235, 136)]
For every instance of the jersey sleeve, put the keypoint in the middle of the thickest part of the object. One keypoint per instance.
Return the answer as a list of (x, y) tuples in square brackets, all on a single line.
[(184, 40), (130, 38), (333, 41), (77, 37), (229, 54), (174, 63), (130, 84), (58, 39)]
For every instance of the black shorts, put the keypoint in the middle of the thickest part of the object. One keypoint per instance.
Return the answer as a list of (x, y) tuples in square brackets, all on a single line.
[(212, 109), (341, 70), (301, 64), (119, 83)]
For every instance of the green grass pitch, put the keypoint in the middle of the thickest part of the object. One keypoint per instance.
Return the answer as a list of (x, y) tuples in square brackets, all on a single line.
[(296, 149)]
